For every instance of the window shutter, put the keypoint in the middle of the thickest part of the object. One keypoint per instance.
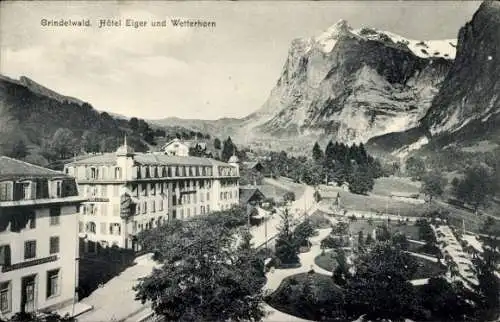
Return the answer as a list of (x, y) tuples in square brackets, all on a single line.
[(9, 186)]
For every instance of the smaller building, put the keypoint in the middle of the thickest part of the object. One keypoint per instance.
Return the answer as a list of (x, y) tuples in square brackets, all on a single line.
[(38, 238), (251, 196), (176, 148), (254, 165)]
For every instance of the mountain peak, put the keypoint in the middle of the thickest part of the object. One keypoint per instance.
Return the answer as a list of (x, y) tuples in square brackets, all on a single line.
[(328, 39)]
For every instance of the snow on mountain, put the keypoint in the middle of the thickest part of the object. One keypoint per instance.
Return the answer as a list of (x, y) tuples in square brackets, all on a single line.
[(467, 107), (350, 85), (444, 48)]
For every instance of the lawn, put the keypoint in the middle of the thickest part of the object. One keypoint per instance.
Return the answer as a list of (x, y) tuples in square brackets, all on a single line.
[(319, 220), (372, 203), (291, 298), (428, 269), (378, 201), (385, 186), (423, 249), (326, 261), (409, 229)]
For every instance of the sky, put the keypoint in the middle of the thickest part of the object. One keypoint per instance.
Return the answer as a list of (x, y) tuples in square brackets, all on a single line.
[(200, 73)]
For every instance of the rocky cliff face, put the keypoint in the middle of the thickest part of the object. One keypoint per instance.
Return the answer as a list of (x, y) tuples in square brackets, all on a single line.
[(467, 107), (351, 85), (471, 90)]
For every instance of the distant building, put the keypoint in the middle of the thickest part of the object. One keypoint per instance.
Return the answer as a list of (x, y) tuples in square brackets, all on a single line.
[(176, 148), (255, 165), (130, 192), (251, 196), (38, 238)]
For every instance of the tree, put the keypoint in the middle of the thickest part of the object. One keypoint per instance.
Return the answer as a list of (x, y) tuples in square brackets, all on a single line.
[(317, 153), (303, 232), (134, 123), (205, 275), (399, 239), (360, 181), (329, 155), (433, 184), (289, 196), (446, 301), (415, 167), (317, 196), (380, 288), (217, 144), (361, 240), (90, 142), (340, 229), (477, 186), (19, 150), (286, 246), (369, 239), (341, 272), (63, 143), (228, 150)]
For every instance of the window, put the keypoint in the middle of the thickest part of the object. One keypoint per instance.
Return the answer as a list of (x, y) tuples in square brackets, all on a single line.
[(32, 219), (5, 297), (5, 190), (29, 249), (52, 283), (54, 245), (5, 255), (91, 227), (55, 214), (160, 205), (58, 188), (26, 190), (153, 205), (103, 228), (115, 229), (104, 191), (94, 173), (152, 189), (208, 196), (80, 227), (144, 207), (118, 173)]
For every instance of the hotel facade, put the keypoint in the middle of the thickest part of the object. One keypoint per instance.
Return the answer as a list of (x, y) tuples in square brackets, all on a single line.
[(38, 238), (129, 192)]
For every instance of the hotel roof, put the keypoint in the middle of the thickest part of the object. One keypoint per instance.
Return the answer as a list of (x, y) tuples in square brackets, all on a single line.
[(16, 169), (149, 159)]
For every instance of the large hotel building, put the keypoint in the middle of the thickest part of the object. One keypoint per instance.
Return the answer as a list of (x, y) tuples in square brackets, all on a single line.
[(38, 238), (128, 192)]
